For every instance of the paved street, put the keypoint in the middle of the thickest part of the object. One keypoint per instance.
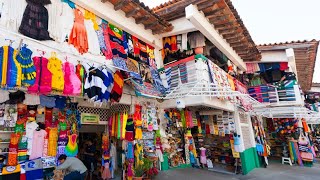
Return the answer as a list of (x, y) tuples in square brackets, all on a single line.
[(274, 171)]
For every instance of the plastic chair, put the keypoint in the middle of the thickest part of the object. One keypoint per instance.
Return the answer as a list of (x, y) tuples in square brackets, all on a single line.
[(286, 160)]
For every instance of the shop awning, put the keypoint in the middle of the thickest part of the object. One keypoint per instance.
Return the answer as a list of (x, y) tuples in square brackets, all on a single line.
[(210, 90), (311, 117)]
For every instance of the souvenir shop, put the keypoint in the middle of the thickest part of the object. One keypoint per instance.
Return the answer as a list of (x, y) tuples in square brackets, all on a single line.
[(199, 125), (196, 140), (52, 69), (286, 137)]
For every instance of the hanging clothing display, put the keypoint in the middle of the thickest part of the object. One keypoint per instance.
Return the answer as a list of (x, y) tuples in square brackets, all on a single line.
[(35, 19), (78, 37)]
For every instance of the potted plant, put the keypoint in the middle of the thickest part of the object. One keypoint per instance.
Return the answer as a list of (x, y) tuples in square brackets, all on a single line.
[(138, 172)]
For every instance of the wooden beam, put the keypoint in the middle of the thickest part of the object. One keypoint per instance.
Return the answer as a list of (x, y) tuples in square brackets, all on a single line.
[(174, 7), (141, 19), (206, 4), (158, 31), (132, 12), (120, 4), (152, 25), (214, 10), (238, 44)]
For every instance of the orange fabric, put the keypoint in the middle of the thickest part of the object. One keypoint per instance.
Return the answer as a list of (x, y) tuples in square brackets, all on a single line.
[(305, 126), (78, 36)]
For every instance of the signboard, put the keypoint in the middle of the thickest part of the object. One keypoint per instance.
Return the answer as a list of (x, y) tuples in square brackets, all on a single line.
[(87, 118)]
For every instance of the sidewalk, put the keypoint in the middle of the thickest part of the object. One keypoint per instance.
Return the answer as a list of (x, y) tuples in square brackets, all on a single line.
[(274, 171)]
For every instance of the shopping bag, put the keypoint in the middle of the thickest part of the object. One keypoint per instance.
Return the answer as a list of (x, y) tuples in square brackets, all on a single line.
[(307, 156)]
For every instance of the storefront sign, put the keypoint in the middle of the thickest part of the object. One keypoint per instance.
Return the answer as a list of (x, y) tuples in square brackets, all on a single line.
[(87, 118)]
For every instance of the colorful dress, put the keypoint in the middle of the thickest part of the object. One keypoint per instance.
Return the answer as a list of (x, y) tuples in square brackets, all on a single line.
[(72, 84), (28, 69), (78, 36), (10, 67), (55, 67), (72, 146), (44, 77), (35, 19)]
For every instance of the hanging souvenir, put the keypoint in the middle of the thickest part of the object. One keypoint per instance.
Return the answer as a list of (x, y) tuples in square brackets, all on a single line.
[(72, 146), (10, 116), (105, 147), (28, 76), (53, 141), (11, 68), (23, 148), (55, 67), (78, 36), (72, 84), (143, 52), (136, 48), (35, 19), (108, 51), (138, 122), (37, 144), (44, 77), (116, 92), (13, 149), (151, 57), (80, 72)]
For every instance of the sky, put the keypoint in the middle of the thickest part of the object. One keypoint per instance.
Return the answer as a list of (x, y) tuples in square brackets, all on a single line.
[(270, 21)]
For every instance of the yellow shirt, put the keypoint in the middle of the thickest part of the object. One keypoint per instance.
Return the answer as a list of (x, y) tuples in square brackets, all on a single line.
[(55, 67)]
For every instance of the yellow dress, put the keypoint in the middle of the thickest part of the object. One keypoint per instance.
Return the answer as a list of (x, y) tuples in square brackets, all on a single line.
[(55, 67), (53, 142)]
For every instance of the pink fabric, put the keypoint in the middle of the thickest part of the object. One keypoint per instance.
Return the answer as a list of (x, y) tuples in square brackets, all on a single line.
[(106, 172), (130, 170), (250, 68), (43, 81), (37, 144), (72, 84)]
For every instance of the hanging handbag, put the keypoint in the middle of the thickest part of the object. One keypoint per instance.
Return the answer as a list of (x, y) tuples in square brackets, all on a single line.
[(303, 140), (306, 156)]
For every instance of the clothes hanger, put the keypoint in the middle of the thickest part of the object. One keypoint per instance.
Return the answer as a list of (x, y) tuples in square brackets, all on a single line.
[(10, 41), (54, 54), (41, 52)]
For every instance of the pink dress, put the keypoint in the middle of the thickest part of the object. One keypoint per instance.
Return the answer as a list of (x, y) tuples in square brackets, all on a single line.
[(37, 144), (72, 84), (43, 80), (203, 157)]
